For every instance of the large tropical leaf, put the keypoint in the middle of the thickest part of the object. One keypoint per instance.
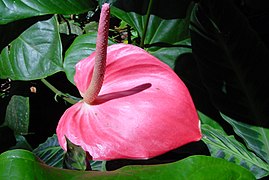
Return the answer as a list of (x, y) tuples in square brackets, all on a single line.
[(227, 147), (232, 60), (21, 164), (164, 35), (11, 10), (35, 54), (12, 30), (256, 138)]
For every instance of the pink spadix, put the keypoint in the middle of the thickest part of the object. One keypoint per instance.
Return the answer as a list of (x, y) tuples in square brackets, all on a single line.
[(141, 110)]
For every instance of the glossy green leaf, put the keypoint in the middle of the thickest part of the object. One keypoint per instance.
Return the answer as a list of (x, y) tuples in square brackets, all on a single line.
[(227, 147), (256, 138), (50, 152), (17, 114), (21, 164), (35, 54), (166, 39), (12, 10), (81, 48)]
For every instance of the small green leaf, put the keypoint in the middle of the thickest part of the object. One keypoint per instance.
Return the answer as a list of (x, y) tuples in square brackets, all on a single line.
[(227, 147), (12, 10), (22, 143), (74, 28), (256, 138), (75, 157), (35, 54), (17, 114), (21, 164), (50, 152), (81, 48)]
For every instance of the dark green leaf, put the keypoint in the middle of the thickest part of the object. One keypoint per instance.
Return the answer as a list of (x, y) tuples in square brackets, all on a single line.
[(81, 48), (17, 114), (75, 157), (12, 10), (256, 138), (169, 9), (227, 147), (50, 152), (74, 28), (22, 143), (98, 165), (232, 61), (35, 54), (12, 30), (166, 39), (20, 164)]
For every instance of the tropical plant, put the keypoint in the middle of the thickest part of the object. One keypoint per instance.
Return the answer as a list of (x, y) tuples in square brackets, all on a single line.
[(216, 47)]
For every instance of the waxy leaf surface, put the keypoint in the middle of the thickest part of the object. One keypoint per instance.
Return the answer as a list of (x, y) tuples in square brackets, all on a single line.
[(143, 109), (20, 165)]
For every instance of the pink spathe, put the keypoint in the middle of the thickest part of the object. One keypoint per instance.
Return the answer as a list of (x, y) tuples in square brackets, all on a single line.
[(143, 109)]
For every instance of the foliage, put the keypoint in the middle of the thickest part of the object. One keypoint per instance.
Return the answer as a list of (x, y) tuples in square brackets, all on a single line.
[(227, 147), (218, 48), (25, 166)]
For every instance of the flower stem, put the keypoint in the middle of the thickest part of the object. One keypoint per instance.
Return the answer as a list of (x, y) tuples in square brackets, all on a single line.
[(100, 57), (146, 24), (58, 93)]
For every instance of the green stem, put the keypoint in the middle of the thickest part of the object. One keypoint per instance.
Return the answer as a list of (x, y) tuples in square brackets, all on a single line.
[(57, 92), (146, 24)]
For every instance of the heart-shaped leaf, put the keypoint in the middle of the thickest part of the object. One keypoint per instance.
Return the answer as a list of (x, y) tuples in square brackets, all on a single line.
[(35, 54), (143, 108)]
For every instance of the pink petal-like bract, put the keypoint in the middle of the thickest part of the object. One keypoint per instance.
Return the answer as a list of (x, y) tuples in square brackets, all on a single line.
[(143, 109)]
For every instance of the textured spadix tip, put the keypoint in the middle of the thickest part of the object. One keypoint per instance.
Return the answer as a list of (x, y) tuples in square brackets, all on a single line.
[(105, 7)]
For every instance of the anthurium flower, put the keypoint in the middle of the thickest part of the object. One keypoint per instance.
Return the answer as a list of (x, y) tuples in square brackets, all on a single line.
[(141, 110)]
